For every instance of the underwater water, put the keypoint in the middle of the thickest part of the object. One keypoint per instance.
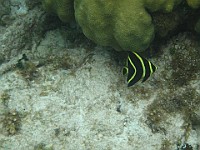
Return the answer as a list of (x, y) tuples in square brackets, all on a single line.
[(61, 91)]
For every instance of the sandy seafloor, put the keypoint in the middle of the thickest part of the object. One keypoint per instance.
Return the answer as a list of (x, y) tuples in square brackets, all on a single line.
[(76, 98)]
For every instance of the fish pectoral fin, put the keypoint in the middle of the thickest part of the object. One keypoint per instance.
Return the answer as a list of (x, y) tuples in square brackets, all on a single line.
[(125, 70)]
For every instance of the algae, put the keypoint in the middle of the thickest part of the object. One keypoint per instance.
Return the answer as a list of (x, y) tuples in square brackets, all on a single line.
[(11, 122)]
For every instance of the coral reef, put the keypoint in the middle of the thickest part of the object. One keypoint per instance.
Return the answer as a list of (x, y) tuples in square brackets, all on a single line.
[(197, 26), (193, 3), (115, 23), (123, 25), (179, 96), (4, 12), (53, 85), (163, 5), (183, 18), (63, 8)]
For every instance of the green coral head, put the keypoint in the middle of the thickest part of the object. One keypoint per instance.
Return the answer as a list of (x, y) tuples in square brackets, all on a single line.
[(163, 5), (194, 3), (63, 8)]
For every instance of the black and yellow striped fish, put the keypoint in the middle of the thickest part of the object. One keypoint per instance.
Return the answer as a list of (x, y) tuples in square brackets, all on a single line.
[(137, 68)]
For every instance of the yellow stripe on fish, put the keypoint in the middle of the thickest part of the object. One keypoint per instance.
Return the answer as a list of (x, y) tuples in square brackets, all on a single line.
[(137, 68)]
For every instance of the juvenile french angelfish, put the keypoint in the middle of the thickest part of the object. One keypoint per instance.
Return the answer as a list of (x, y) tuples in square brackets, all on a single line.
[(137, 68)]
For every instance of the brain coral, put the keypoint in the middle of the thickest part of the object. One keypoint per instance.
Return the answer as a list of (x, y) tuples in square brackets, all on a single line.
[(122, 24)]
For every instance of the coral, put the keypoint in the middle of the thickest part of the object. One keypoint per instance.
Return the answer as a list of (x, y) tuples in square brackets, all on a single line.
[(31, 4), (165, 22), (4, 12), (123, 25), (197, 26), (169, 24), (193, 3), (178, 96), (63, 8), (164, 5)]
